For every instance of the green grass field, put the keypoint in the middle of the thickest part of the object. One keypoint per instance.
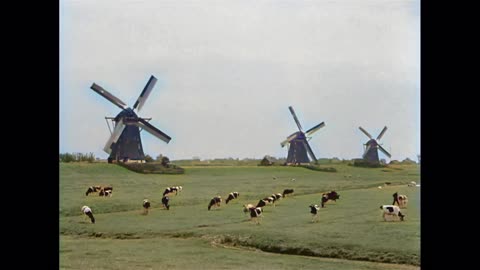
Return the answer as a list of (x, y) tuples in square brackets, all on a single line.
[(349, 234)]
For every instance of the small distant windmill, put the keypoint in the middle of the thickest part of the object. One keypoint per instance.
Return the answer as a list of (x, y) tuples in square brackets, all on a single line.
[(125, 142), (299, 147), (370, 155)]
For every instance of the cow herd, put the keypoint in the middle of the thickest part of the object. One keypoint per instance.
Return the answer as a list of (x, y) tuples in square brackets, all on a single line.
[(389, 212)]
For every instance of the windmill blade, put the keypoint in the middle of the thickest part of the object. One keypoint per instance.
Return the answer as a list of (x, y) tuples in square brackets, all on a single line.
[(104, 93), (114, 137), (366, 150), (366, 133), (381, 133), (145, 93), (384, 151), (295, 117), (309, 150), (289, 139), (314, 129), (152, 130)]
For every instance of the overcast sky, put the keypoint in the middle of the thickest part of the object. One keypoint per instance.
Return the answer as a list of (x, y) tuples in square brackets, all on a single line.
[(228, 70)]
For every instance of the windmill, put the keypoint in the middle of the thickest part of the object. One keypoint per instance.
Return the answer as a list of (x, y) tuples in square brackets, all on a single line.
[(370, 154), (299, 147), (125, 142)]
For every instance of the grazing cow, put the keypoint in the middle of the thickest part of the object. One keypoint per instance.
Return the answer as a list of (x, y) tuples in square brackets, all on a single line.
[(392, 212), (231, 196), (146, 206), (314, 210), (255, 213), (172, 189), (165, 201), (105, 193), (287, 191), (332, 195), (88, 212), (277, 196), (261, 203), (92, 189), (246, 207), (215, 201), (401, 200)]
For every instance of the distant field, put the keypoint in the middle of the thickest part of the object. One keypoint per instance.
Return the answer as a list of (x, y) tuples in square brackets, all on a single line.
[(351, 228)]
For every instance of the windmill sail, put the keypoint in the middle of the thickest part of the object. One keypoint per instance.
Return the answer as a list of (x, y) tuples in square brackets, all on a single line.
[(125, 142)]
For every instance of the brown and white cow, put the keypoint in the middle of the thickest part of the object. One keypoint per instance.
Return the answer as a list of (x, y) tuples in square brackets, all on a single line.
[(401, 200), (106, 191), (332, 195)]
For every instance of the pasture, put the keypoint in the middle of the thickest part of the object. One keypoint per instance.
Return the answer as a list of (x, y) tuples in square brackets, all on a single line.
[(349, 234)]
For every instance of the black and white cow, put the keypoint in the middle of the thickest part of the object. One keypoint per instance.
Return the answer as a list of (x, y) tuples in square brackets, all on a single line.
[(231, 196), (106, 191), (172, 189), (255, 213), (391, 213), (165, 201), (146, 206), (332, 195), (401, 200), (277, 196), (92, 189), (287, 191), (88, 212), (215, 201), (314, 210), (246, 207), (262, 203)]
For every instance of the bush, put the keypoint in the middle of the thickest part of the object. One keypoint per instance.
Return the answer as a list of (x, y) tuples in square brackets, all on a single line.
[(76, 157)]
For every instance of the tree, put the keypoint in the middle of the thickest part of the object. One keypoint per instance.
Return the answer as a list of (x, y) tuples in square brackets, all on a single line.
[(148, 158), (165, 161)]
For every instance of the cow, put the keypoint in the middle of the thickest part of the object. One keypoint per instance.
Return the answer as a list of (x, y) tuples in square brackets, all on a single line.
[(171, 190), (215, 201), (246, 207), (314, 210), (255, 213), (392, 212), (332, 195), (287, 191), (92, 189), (262, 203), (146, 206), (105, 193), (231, 196), (165, 201), (88, 212), (401, 200), (277, 196)]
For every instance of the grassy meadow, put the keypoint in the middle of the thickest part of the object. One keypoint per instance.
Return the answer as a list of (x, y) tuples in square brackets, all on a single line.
[(349, 234)]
